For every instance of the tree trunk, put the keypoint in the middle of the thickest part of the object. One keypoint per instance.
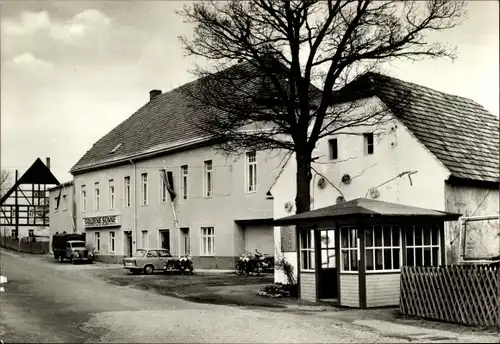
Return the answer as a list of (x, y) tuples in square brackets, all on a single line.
[(303, 180)]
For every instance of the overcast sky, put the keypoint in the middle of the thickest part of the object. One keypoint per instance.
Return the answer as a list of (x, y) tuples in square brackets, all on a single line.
[(73, 70)]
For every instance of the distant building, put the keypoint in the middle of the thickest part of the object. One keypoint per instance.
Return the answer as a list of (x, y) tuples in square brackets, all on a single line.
[(24, 209)]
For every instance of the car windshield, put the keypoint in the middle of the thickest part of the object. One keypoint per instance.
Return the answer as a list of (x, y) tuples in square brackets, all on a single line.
[(140, 253), (77, 244)]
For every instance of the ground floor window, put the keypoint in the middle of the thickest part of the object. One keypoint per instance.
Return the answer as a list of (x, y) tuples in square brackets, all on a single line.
[(112, 241), (423, 246), (97, 241), (349, 248), (307, 249), (207, 241), (383, 248)]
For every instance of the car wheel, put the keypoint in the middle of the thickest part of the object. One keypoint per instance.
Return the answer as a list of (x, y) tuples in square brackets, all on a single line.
[(148, 269)]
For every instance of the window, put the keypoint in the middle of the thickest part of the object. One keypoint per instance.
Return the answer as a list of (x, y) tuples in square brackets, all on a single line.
[(349, 248), (96, 196), (207, 241), (163, 187), (383, 248), (251, 171), (144, 188), (111, 194), (184, 181), (84, 199), (126, 185), (334, 149), (327, 248), (65, 203), (56, 202), (144, 239), (112, 241), (152, 254), (369, 145), (97, 241), (422, 246), (307, 249), (208, 181)]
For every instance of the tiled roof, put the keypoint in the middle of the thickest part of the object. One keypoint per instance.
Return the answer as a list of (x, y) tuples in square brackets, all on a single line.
[(160, 123), (459, 132), (364, 206), (170, 119)]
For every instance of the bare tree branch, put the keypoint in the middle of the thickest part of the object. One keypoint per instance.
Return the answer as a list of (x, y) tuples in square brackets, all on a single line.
[(264, 56)]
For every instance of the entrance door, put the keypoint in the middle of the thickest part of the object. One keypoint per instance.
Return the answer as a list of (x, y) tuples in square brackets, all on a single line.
[(165, 239), (128, 244), (186, 241), (328, 283)]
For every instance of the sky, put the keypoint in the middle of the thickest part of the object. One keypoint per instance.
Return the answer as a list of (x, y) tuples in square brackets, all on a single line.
[(73, 70)]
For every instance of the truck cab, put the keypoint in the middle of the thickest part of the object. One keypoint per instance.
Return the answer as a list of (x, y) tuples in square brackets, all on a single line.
[(71, 247)]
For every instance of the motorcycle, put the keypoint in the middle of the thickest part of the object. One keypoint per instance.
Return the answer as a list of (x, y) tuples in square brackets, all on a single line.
[(266, 260), (182, 264)]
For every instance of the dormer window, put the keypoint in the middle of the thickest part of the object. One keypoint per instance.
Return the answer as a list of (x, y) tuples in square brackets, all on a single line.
[(114, 149)]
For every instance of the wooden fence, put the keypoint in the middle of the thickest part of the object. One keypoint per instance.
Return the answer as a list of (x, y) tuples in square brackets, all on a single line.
[(459, 294), (25, 246)]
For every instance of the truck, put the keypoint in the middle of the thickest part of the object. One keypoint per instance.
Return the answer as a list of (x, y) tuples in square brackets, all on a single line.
[(72, 247)]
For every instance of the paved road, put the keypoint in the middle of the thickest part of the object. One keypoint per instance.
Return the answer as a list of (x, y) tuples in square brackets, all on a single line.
[(47, 302)]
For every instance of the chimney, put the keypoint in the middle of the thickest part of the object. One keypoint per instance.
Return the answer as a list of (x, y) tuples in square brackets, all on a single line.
[(153, 94), (47, 162)]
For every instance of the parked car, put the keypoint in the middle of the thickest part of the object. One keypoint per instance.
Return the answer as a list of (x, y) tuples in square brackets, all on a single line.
[(149, 260), (71, 246)]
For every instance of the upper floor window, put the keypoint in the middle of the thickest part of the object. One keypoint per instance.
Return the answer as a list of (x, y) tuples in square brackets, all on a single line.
[(368, 143), (333, 149), (126, 191), (96, 196), (251, 172), (65, 203), (84, 198), (111, 194), (144, 188), (163, 187), (184, 181), (208, 180)]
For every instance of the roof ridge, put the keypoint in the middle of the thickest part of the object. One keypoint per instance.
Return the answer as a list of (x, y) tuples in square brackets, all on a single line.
[(393, 78)]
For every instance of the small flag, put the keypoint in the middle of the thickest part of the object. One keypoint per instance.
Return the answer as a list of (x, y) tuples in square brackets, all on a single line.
[(169, 183)]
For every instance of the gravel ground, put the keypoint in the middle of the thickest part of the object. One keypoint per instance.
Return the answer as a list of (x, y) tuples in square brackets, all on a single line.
[(43, 303)]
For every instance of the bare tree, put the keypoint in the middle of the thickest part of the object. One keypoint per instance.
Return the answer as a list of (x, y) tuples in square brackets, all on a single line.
[(5, 181), (265, 56)]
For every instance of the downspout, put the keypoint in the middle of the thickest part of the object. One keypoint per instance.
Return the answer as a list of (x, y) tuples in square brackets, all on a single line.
[(135, 203)]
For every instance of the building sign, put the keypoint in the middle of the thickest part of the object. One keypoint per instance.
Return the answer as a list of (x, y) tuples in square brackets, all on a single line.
[(101, 221), (288, 241)]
